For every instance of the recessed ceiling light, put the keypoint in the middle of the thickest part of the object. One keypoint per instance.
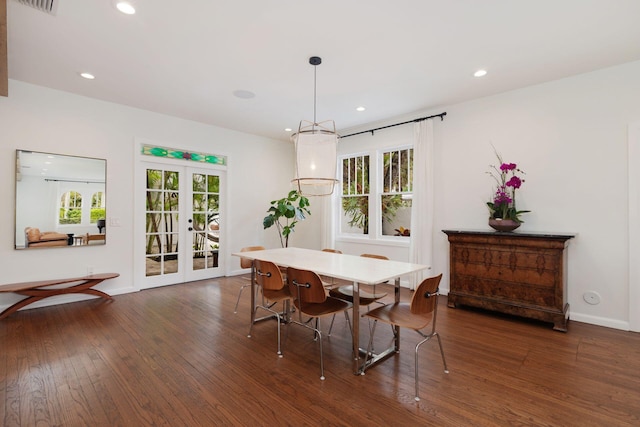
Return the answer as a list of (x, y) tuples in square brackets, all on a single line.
[(288, 129), (87, 76), (244, 94), (360, 109), (126, 7), (480, 73)]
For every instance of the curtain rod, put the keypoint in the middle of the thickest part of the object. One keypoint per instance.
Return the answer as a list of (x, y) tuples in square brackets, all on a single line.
[(441, 115), (74, 180)]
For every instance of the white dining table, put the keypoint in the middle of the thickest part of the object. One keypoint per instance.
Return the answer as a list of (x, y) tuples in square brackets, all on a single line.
[(355, 269)]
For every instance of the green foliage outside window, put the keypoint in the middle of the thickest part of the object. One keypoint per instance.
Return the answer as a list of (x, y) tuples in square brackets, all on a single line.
[(97, 213)]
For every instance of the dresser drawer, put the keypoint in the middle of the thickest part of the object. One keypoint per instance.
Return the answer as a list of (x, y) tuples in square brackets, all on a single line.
[(540, 277), (512, 257), (525, 293)]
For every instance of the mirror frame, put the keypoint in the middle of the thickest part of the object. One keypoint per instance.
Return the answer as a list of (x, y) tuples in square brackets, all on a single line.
[(36, 181)]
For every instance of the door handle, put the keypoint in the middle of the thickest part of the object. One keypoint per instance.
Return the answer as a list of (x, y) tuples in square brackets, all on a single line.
[(190, 228)]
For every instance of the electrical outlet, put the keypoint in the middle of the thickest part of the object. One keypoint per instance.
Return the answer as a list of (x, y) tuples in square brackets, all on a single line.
[(89, 270)]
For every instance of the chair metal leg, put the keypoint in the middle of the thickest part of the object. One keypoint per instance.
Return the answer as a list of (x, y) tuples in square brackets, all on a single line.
[(333, 318), (444, 362), (279, 319), (321, 358), (235, 309), (427, 338), (317, 335)]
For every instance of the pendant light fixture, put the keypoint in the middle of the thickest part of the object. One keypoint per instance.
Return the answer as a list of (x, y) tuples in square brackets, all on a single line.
[(316, 146)]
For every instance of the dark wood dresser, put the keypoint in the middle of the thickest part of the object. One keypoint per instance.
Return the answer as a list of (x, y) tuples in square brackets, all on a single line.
[(524, 274)]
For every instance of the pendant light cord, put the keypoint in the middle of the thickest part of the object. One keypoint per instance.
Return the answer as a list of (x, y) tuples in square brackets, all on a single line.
[(315, 61), (315, 103)]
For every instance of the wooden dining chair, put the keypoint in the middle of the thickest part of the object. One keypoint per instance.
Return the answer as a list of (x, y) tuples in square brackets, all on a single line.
[(416, 315), (366, 298), (88, 238), (329, 282), (310, 299), (274, 291), (335, 251), (246, 263)]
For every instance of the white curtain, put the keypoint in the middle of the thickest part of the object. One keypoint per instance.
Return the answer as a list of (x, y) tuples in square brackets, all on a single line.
[(326, 203), (421, 243)]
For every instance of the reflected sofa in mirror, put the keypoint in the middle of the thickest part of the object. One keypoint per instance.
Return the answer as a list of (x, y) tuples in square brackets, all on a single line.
[(60, 200)]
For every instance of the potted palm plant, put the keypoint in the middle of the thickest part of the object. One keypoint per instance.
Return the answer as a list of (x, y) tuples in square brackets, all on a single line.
[(285, 214)]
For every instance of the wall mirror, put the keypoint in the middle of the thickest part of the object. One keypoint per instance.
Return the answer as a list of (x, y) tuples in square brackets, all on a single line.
[(60, 201)]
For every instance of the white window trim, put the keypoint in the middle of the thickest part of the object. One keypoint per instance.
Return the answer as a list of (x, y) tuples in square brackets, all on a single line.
[(375, 236)]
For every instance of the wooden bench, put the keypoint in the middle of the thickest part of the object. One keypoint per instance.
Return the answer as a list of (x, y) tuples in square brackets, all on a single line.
[(35, 291)]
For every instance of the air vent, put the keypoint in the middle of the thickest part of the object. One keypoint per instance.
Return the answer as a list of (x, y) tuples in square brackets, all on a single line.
[(47, 6)]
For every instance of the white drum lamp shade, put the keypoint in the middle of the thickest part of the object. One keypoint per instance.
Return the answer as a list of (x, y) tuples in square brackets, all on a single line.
[(316, 146)]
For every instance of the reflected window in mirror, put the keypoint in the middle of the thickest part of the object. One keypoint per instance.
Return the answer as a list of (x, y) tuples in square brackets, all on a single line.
[(98, 210), (60, 200), (70, 208)]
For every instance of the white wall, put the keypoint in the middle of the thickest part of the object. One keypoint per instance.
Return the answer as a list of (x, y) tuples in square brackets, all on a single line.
[(570, 137), (41, 119)]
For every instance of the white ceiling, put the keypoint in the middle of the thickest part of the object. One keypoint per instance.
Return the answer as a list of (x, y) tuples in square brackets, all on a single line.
[(186, 58)]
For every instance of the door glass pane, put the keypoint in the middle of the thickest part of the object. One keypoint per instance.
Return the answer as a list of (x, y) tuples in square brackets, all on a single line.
[(154, 200), (206, 217), (154, 178), (199, 221), (199, 202), (199, 182), (161, 244), (213, 184), (171, 199), (171, 180), (214, 203)]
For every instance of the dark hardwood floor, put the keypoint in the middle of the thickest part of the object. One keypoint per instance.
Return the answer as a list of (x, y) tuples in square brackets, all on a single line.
[(178, 356)]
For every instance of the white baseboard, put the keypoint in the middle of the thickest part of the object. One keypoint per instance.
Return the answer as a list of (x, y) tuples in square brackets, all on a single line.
[(599, 321)]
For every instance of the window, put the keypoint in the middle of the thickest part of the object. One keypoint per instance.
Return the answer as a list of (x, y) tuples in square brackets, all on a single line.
[(355, 195), (70, 208), (397, 189), (391, 185), (97, 207)]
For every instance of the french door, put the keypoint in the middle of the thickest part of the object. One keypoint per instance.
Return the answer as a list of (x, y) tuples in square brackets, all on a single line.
[(182, 224)]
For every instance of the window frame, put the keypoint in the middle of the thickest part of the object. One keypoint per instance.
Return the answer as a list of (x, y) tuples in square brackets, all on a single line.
[(391, 193), (376, 186)]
